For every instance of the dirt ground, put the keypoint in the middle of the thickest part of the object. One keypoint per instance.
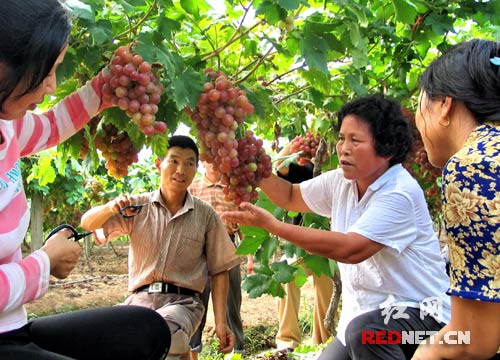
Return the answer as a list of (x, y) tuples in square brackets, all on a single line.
[(101, 280)]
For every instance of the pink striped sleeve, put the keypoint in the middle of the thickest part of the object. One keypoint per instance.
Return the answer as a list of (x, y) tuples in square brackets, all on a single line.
[(31, 270), (24, 281), (40, 132), (4, 290)]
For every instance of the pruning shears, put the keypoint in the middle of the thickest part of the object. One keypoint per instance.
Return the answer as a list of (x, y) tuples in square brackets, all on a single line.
[(135, 209), (75, 234)]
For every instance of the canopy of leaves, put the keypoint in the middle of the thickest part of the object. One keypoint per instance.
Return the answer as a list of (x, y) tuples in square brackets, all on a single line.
[(298, 60)]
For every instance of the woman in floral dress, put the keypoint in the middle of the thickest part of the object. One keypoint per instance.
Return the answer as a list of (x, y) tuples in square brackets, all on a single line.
[(459, 119)]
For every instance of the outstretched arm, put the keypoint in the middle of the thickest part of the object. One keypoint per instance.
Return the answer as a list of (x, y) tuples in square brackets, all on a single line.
[(96, 217), (284, 194), (349, 248)]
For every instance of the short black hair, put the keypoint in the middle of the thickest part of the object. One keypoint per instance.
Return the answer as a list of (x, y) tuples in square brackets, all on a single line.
[(184, 142), (390, 128), (34, 33), (466, 73)]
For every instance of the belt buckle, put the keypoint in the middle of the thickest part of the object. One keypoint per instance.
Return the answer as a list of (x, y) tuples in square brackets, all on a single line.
[(155, 287)]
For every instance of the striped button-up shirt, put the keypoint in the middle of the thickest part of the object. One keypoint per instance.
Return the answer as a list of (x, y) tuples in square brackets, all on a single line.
[(183, 249), (213, 194)]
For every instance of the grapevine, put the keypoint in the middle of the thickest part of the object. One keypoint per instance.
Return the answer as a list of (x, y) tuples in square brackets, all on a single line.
[(219, 115), (134, 88)]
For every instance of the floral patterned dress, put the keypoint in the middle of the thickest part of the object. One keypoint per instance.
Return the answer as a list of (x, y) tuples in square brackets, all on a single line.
[(471, 204)]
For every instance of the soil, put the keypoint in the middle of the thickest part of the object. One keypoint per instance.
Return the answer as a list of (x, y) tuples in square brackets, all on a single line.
[(101, 280)]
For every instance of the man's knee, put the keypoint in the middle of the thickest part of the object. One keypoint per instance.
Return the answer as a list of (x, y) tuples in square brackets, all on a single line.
[(179, 343)]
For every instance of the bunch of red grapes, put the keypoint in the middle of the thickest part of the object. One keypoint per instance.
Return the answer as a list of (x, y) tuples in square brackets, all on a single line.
[(117, 149), (133, 86), (419, 166), (305, 146), (220, 111), (254, 165)]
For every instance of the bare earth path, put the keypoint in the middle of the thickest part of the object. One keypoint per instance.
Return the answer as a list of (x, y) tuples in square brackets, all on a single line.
[(102, 281)]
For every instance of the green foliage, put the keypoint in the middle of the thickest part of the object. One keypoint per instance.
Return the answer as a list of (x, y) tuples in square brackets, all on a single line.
[(298, 61), (331, 52), (73, 191), (270, 275), (257, 339)]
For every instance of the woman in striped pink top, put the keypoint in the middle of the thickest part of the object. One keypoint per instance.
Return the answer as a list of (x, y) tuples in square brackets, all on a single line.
[(33, 43)]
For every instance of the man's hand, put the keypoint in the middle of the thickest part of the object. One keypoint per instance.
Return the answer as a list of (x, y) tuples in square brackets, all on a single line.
[(63, 253), (250, 264), (119, 203), (226, 338), (97, 84)]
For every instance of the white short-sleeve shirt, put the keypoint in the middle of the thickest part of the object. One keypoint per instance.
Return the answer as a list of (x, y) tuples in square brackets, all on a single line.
[(393, 212)]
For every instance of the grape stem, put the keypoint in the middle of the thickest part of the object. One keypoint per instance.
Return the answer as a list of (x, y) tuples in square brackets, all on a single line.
[(132, 28), (293, 94), (233, 39), (261, 60), (282, 75)]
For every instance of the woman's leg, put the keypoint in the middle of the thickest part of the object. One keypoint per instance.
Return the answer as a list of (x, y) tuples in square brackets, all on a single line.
[(334, 351), (362, 341), (17, 345), (119, 332)]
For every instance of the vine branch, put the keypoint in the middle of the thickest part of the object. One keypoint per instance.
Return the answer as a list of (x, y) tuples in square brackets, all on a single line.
[(140, 22), (293, 94)]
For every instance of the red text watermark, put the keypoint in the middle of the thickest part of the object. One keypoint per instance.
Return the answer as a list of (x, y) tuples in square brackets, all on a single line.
[(393, 337)]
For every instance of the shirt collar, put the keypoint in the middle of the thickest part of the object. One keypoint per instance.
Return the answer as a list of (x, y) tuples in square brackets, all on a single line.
[(209, 183), (385, 177), (188, 203)]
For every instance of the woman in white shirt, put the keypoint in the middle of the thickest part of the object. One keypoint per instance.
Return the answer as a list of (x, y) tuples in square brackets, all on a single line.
[(382, 236)]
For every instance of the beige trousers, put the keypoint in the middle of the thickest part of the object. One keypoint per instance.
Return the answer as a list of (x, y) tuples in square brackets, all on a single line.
[(182, 313), (289, 333)]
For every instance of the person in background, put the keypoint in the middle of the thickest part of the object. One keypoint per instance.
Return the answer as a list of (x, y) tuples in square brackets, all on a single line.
[(34, 41), (210, 189), (289, 334), (382, 235), (177, 242), (458, 117)]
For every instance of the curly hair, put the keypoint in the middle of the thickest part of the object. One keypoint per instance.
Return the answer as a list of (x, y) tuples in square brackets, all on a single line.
[(390, 128)]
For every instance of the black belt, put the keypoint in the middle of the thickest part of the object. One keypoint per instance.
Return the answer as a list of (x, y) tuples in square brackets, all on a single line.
[(166, 288)]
